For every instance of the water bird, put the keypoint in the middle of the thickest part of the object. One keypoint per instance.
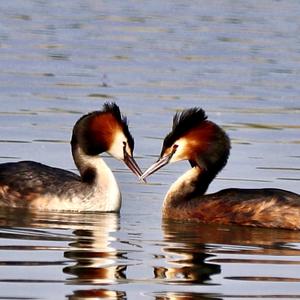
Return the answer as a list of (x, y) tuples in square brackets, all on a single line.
[(207, 147), (32, 185)]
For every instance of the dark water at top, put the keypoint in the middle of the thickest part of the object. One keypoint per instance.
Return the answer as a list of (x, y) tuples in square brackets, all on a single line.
[(238, 60)]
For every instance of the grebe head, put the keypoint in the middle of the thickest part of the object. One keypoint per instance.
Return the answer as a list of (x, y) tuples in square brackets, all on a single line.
[(106, 131), (196, 139)]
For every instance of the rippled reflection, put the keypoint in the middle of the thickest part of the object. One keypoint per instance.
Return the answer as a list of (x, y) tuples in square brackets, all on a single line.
[(93, 255), (85, 239), (186, 258), (209, 236), (186, 296), (195, 253), (98, 294), (190, 268)]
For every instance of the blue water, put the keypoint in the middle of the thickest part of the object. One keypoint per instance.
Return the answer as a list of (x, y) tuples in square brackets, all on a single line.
[(239, 61)]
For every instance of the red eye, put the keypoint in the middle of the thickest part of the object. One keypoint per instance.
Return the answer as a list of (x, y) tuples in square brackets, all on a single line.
[(174, 148)]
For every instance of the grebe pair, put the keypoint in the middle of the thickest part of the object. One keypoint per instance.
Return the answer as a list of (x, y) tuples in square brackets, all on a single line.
[(32, 185)]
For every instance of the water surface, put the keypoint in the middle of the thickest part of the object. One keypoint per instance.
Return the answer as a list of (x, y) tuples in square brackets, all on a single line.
[(239, 61)]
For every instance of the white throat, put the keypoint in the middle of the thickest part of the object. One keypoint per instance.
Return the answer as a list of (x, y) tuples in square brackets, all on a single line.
[(181, 188), (107, 196)]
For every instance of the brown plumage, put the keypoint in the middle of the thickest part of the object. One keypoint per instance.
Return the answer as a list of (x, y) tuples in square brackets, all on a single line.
[(207, 148), (32, 185)]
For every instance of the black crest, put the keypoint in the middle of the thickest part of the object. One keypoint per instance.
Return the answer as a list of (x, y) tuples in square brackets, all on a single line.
[(182, 123), (113, 108), (108, 107)]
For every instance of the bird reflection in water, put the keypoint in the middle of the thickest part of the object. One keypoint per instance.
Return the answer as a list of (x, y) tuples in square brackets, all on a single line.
[(93, 254), (87, 240), (95, 259), (194, 254), (187, 258), (192, 268), (186, 296), (98, 294)]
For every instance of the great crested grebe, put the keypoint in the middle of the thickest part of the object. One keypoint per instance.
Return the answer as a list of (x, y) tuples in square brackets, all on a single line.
[(207, 148), (32, 185)]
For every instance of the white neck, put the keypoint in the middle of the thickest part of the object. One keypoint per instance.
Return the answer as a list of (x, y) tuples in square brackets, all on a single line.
[(107, 196), (182, 189)]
